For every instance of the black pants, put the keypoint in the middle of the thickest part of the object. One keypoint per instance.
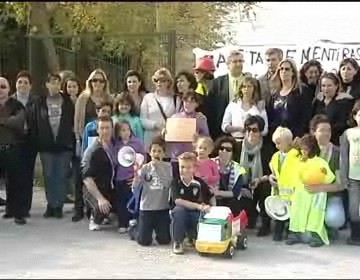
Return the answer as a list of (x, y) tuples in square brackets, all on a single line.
[(158, 221), (345, 198), (28, 158), (123, 194), (16, 202), (260, 194), (79, 201), (93, 206), (237, 151)]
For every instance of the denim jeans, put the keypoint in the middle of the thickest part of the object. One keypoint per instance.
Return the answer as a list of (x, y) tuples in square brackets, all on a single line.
[(55, 171), (183, 221), (354, 200)]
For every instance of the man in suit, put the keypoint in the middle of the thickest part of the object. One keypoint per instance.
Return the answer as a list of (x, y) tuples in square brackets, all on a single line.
[(223, 90), (27, 147), (273, 56)]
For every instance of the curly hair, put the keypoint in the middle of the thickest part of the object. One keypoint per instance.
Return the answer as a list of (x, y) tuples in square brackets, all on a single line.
[(306, 67)]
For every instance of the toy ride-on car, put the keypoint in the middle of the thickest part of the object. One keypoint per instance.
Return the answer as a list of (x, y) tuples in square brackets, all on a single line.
[(219, 232)]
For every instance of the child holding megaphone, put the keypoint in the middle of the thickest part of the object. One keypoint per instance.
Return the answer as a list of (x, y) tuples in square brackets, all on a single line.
[(124, 172)]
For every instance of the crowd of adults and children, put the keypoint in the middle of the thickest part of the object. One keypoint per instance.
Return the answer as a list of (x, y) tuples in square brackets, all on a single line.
[(254, 137)]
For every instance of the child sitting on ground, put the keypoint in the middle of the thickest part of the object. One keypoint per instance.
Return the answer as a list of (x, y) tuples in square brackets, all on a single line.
[(206, 168), (154, 179), (190, 195)]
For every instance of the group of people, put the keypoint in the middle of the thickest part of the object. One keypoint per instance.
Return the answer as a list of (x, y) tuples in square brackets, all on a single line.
[(254, 138)]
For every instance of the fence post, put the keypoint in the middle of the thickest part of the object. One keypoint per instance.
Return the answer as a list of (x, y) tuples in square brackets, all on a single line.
[(29, 38), (172, 50)]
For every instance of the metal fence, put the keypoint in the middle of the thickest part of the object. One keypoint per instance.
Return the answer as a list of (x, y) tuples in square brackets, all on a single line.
[(114, 53)]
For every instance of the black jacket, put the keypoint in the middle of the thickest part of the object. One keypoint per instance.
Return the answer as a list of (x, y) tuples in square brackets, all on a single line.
[(338, 111), (297, 114), (12, 120), (354, 90), (28, 107), (40, 130), (309, 93), (215, 104)]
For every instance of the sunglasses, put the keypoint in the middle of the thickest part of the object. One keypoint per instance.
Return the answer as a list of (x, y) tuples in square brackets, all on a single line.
[(227, 149), (160, 80), (98, 81), (3, 86), (252, 129)]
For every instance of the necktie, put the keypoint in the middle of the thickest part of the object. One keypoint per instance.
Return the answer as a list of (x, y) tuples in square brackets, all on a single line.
[(236, 87)]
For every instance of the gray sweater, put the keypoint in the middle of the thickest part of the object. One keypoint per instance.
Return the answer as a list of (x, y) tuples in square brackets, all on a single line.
[(349, 155), (156, 180)]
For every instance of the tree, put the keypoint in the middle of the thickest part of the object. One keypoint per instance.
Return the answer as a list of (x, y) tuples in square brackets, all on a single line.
[(98, 28)]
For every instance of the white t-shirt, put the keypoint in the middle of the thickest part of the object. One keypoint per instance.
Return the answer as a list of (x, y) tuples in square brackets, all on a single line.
[(235, 115)]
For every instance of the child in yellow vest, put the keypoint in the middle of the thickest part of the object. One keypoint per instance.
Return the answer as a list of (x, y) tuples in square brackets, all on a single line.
[(282, 165)]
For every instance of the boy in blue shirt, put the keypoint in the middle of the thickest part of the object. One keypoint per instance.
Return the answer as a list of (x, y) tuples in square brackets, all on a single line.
[(90, 133)]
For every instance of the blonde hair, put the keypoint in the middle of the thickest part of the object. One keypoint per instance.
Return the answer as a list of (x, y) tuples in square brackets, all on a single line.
[(207, 141), (282, 133), (88, 86), (166, 74), (187, 156), (276, 82)]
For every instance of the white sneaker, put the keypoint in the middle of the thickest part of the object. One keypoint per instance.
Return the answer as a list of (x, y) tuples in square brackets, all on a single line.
[(122, 230), (93, 226)]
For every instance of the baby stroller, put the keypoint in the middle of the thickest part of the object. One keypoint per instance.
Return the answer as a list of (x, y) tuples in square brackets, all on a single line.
[(133, 206)]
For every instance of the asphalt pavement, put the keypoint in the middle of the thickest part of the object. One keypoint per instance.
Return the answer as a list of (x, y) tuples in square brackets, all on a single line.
[(49, 248)]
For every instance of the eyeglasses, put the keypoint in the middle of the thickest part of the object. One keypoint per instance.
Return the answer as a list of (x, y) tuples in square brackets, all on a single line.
[(98, 81), (238, 61), (252, 129), (3, 86), (226, 149)]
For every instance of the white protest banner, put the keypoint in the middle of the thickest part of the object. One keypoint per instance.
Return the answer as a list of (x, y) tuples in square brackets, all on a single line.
[(329, 54)]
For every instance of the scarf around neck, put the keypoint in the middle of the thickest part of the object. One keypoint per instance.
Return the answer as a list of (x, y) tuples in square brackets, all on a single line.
[(229, 169), (255, 165)]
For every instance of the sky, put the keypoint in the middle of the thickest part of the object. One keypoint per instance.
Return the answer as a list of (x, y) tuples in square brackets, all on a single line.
[(300, 22)]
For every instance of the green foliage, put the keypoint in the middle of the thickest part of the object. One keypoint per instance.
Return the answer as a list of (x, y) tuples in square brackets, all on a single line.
[(103, 23)]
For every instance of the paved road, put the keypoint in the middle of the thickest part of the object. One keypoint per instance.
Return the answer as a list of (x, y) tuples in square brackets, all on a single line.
[(62, 249)]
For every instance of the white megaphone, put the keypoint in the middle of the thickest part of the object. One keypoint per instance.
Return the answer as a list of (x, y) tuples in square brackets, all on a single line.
[(128, 157)]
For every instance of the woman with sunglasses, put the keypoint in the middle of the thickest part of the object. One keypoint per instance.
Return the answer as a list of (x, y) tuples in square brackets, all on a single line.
[(97, 90), (287, 106), (159, 105), (236, 180)]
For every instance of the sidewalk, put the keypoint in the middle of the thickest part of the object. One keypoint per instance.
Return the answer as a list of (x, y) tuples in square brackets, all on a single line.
[(62, 249)]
